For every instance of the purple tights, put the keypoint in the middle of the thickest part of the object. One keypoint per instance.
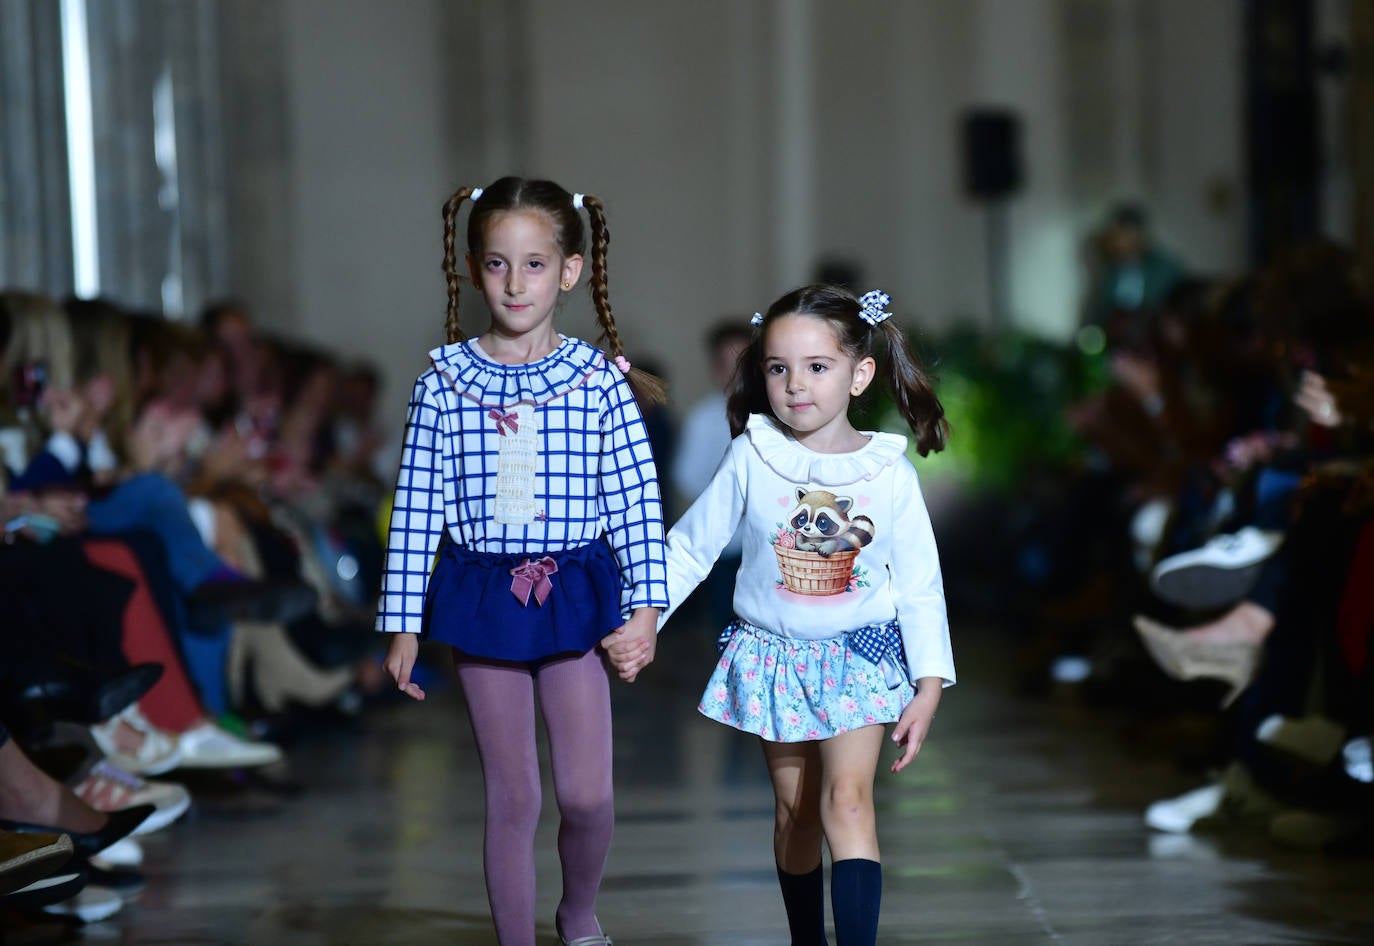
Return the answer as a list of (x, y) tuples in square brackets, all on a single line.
[(575, 699)]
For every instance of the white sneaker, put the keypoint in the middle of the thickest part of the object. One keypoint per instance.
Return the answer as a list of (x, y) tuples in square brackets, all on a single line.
[(89, 906), (1359, 760), (1178, 815), (209, 747), (126, 852), (1147, 530), (1181, 847), (110, 788), (157, 751), (1221, 572)]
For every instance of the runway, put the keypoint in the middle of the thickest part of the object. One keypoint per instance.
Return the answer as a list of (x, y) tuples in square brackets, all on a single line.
[(1020, 824)]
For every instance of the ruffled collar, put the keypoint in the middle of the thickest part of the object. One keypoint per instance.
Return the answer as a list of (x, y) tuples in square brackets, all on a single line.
[(799, 464), (491, 384)]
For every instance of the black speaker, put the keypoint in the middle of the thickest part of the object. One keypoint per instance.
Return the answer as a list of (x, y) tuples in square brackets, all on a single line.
[(992, 153)]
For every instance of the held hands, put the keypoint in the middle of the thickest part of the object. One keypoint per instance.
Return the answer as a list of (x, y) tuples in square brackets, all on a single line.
[(914, 723), (631, 646), (400, 660)]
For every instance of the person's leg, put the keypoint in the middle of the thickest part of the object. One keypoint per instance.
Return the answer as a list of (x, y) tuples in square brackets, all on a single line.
[(155, 503), (204, 648), (500, 699), (172, 703), (57, 602), (575, 698), (795, 770), (1275, 490), (28, 794), (848, 763)]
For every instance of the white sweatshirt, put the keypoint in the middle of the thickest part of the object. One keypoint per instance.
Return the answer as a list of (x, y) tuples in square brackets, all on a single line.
[(802, 516)]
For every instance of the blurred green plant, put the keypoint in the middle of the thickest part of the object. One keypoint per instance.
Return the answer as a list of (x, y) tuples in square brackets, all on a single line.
[(1007, 397)]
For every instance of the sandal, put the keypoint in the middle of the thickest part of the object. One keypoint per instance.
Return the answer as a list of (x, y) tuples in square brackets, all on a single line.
[(600, 939)]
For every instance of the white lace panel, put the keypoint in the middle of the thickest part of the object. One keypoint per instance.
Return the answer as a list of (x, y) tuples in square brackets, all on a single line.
[(516, 464)]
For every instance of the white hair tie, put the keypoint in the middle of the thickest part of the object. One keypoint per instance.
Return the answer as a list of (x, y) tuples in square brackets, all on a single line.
[(757, 319), (476, 193), (577, 200), (872, 305)]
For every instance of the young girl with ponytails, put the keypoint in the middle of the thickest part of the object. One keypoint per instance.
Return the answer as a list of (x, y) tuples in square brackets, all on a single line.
[(840, 623), (526, 469)]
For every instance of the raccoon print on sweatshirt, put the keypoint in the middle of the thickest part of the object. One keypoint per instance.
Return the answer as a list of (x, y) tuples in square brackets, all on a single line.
[(822, 523)]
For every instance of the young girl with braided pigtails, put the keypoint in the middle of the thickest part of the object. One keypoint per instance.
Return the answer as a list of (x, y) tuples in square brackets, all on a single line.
[(526, 469), (840, 621)]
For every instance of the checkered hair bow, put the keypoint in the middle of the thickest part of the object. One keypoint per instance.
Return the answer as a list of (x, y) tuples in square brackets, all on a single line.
[(873, 305)]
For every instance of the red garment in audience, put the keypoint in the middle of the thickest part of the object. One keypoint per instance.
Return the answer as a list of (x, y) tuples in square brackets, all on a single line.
[(1356, 614), (172, 704)]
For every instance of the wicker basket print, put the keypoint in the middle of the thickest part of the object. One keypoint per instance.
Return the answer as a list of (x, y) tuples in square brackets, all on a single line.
[(810, 573)]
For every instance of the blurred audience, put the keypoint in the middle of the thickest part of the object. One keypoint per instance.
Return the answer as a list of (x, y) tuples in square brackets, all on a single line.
[(1229, 472), (705, 438), (1131, 275), (189, 551)]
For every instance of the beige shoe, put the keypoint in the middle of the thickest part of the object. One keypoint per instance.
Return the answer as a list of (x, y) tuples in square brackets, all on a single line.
[(157, 751), (280, 673), (1185, 657)]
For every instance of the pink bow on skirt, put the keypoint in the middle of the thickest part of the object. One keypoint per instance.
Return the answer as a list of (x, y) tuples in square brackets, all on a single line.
[(532, 577)]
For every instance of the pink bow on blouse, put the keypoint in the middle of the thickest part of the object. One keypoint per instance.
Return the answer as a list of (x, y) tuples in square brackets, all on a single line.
[(505, 420), (532, 577)]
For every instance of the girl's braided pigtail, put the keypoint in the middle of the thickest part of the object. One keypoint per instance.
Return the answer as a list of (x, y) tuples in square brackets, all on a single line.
[(451, 275), (646, 386), (913, 391)]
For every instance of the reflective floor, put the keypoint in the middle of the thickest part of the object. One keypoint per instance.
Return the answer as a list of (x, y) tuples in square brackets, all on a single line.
[(1020, 823)]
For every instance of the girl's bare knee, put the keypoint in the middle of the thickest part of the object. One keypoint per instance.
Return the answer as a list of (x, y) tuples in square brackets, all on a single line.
[(847, 803)]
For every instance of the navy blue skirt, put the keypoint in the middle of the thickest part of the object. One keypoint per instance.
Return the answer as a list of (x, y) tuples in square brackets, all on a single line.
[(523, 607)]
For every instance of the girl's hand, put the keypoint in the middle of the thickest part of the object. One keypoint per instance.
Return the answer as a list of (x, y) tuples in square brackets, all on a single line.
[(631, 646), (914, 723), (400, 660)]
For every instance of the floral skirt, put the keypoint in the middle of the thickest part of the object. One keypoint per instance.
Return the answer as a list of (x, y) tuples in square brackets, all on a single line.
[(787, 690)]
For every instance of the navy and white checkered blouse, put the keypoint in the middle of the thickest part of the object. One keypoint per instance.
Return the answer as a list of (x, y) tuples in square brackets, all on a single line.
[(594, 473)]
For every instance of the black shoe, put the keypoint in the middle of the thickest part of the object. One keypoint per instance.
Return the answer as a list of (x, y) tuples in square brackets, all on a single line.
[(69, 691), (31, 857), (45, 892), (118, 825), (274, 601)]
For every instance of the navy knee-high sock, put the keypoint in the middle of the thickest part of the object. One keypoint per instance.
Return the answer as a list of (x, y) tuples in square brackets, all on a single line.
[(856, 894), (803, 895)]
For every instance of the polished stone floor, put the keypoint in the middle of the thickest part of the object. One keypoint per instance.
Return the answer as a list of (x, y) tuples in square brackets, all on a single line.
[(1020, 823)]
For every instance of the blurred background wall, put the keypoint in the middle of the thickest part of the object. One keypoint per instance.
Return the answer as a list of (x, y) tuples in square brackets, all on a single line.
[(737, 143)]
